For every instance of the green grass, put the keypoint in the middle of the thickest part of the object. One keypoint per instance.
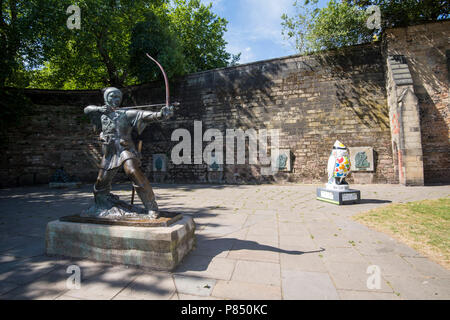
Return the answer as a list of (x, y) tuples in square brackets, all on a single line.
[(423, 225)]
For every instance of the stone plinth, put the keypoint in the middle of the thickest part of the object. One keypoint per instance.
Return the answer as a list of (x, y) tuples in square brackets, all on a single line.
[(160, 248), (339, 197)]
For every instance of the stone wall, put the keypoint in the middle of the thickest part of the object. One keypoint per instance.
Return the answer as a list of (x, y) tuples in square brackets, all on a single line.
[(427, 51), (313, 100)]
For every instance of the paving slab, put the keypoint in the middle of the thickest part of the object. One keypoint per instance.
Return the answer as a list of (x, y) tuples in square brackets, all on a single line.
[(305, 260), (412, 288), (106, 285), (253, 242), (207, 267), (194, 285), (239, 290), (302, 285), (149, 286), (427, 267), (353, 276), (257, 272), (367, 295)]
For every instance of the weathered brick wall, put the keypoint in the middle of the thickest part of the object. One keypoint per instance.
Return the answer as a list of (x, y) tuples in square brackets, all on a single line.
[(313, 100), (427, 51), (54, 136)]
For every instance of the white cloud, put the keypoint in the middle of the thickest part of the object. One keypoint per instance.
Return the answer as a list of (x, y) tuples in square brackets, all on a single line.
[(247, 55), (217, 5), (264, 18), (254, 27)]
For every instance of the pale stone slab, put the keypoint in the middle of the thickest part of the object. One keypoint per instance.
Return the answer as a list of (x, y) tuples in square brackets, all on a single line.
[(306, 260), (299, 241), (106, 285), (6, 258), (246, 291), (263, 239), (149, 286), (194, 285), (24, 293), (340, 254), (412, 288), (26, 271), (253, 251), (66, 297), (293, 228), (353, 276), (367, 295), (428, 268), (182, 296), (300, 285), (257, 272), (31, 249), (394, 265), (213, 247), (160, 248), (6, 286), (207, 267)]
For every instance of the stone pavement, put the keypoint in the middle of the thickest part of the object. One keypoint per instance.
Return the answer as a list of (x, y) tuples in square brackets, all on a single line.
[(253, 242)]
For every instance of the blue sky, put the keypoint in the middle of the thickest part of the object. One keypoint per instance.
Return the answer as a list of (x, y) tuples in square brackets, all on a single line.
[(254, 27)]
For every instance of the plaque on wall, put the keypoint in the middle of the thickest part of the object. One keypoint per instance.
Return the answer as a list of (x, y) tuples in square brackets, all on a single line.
[(362, 159), (159, 162), (214, 166), (284, 160)]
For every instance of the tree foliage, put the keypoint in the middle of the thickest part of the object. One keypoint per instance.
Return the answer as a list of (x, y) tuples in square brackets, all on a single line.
[(110, 47), (201, 35), (343, 23), (336, 25), (407, 12)]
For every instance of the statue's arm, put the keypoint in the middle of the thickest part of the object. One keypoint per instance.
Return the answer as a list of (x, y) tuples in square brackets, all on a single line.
[(90, 109), (151, 116)]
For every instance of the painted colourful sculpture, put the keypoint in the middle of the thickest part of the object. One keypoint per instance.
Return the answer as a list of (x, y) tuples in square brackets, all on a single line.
[(338, 164), (337, 190)]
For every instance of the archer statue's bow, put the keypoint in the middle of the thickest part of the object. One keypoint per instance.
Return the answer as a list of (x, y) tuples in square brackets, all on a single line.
[(166, 82), (165, 78)]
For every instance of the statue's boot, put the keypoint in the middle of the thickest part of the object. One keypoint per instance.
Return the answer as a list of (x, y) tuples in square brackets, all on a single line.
[(102, 197), (142, 186), (148, 199)]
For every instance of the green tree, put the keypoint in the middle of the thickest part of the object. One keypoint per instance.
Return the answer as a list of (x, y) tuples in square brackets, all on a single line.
[(20, 47), (343, 23), (153, 37), (109, 48), (407, 12), (336, 25), (201, 35), (96, 55)]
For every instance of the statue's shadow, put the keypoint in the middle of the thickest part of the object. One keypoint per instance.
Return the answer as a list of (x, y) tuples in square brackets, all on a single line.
[(208, 248)]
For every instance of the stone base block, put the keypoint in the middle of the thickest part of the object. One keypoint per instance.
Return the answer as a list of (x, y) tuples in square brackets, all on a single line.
[(159, 248), (339, 197)]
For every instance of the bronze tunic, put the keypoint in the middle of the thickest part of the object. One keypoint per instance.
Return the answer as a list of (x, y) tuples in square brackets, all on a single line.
[(118, 146)]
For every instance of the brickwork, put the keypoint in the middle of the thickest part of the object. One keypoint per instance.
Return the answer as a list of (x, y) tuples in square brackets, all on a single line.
[(426, 49), (313, 100)]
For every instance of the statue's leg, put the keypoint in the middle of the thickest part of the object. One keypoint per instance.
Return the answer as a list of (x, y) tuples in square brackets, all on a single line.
[(142, 186), (102, 187)]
